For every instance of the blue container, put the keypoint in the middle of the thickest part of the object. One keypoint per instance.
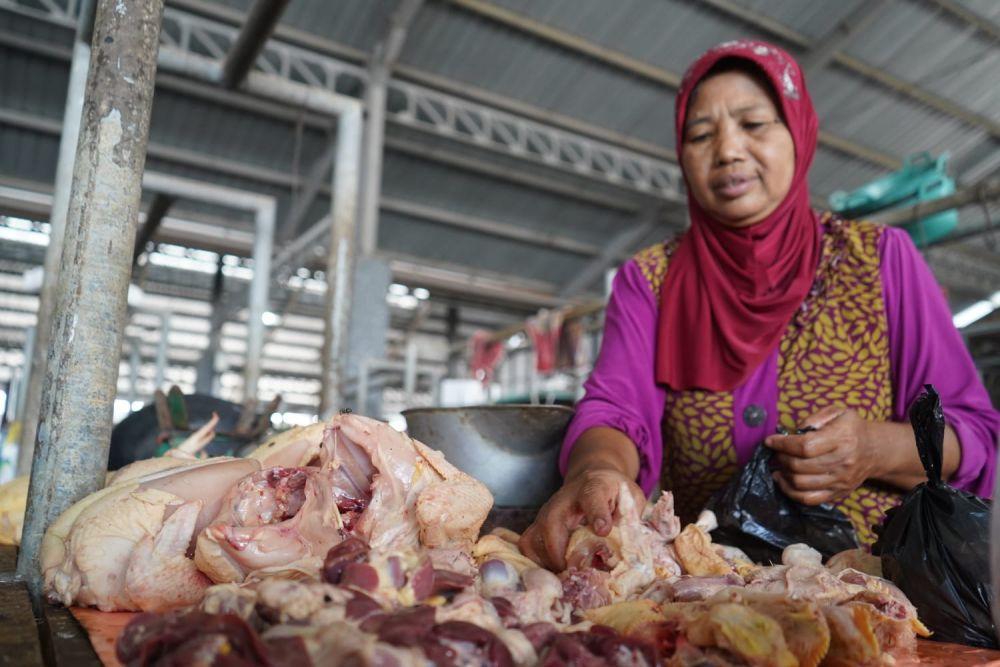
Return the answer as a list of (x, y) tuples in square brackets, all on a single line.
[(922, 179)]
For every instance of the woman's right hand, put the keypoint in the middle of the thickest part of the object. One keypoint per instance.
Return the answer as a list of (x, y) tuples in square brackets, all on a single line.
[(589, 497)]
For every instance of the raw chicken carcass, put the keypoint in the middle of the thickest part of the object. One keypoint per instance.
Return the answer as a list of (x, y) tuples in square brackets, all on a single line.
[(124, 547), (416, 496), (634, 553), (753, 636), (14, 494), (360, 478), (802, 622), (270, 519)]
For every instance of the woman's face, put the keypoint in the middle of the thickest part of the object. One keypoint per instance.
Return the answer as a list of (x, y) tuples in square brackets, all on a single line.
[(737, 154)]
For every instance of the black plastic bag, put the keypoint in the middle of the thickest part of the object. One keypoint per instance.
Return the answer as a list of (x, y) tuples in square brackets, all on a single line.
[(755, 515), (935, 546)]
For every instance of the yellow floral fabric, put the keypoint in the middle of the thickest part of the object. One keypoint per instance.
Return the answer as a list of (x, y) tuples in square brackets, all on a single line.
[(835, 352)]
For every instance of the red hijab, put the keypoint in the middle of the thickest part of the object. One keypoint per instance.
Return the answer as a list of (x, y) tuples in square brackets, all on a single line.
[(730, 293)]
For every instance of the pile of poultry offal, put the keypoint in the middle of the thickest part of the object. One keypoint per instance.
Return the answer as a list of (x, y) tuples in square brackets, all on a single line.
[(349, 543)]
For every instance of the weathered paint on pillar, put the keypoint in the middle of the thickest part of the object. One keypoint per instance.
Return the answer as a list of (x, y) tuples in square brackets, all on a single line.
[(71, 451), (340, 264)]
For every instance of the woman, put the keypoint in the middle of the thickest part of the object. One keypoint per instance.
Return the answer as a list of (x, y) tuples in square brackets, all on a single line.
[(765, 314)]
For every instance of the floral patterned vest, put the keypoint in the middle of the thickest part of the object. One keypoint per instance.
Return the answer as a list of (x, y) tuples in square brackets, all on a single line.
[(834, 352)]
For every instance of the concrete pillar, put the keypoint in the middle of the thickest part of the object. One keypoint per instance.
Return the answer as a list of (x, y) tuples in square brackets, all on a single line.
[(74, 431)]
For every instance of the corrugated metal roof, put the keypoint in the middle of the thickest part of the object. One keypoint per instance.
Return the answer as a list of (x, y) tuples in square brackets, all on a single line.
[(417, 237), (813, 19), (912, 40), (936, 51), (356, 23), (425, 182)]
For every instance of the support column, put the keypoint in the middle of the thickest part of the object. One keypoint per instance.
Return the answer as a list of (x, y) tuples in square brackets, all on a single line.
[(340, 262), (205, 378), (260, 285), (35, 368), (454, 353), (384, 58), (74, 432), (134, 362), (19, 397), (410, 371), (161, 352), (374, 138)]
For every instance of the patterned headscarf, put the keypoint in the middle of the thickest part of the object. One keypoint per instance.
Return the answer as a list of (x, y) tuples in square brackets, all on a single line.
[(730, 293)]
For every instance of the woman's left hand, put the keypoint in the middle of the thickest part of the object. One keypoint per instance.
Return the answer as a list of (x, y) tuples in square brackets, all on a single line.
[(826, 463)]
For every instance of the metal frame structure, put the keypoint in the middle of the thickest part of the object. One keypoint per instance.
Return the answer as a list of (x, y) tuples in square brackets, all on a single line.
[(264, 209), (425, 109)]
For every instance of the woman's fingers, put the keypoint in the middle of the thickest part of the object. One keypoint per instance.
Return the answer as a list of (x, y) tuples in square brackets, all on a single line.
[(597, 500), (545, 542), (807, 445), (804, 497), (824, 463), (800, 482)]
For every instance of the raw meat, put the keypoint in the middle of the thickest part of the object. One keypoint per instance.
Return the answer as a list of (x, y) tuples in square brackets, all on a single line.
[(124, 547), (368, 480)]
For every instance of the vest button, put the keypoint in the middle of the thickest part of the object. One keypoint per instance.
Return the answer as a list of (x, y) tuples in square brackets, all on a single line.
[(754, 415)]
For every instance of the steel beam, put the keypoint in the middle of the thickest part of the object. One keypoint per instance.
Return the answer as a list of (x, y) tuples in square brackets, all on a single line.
[(205, 374), (979, 162), (263, 17), (383, 59), (957, 269), (965, 235), (340, 259), (490, 227), (157, 211), (74, 432), (492, 288), (841, 35), (171, 154), (625, 63), (264, 209), (986, 191), (972, 18), (609, 255), (260, 285), (315, 181), (519, 134), (520, 176), (342, 51), (17, 396), (237, 100), (134, 361), (770, 26)]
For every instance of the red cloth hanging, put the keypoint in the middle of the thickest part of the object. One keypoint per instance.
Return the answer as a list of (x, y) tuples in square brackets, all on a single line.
[(484, 356), (544, 330)]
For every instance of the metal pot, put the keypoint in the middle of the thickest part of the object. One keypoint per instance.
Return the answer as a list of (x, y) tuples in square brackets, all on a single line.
[(512, 449)]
